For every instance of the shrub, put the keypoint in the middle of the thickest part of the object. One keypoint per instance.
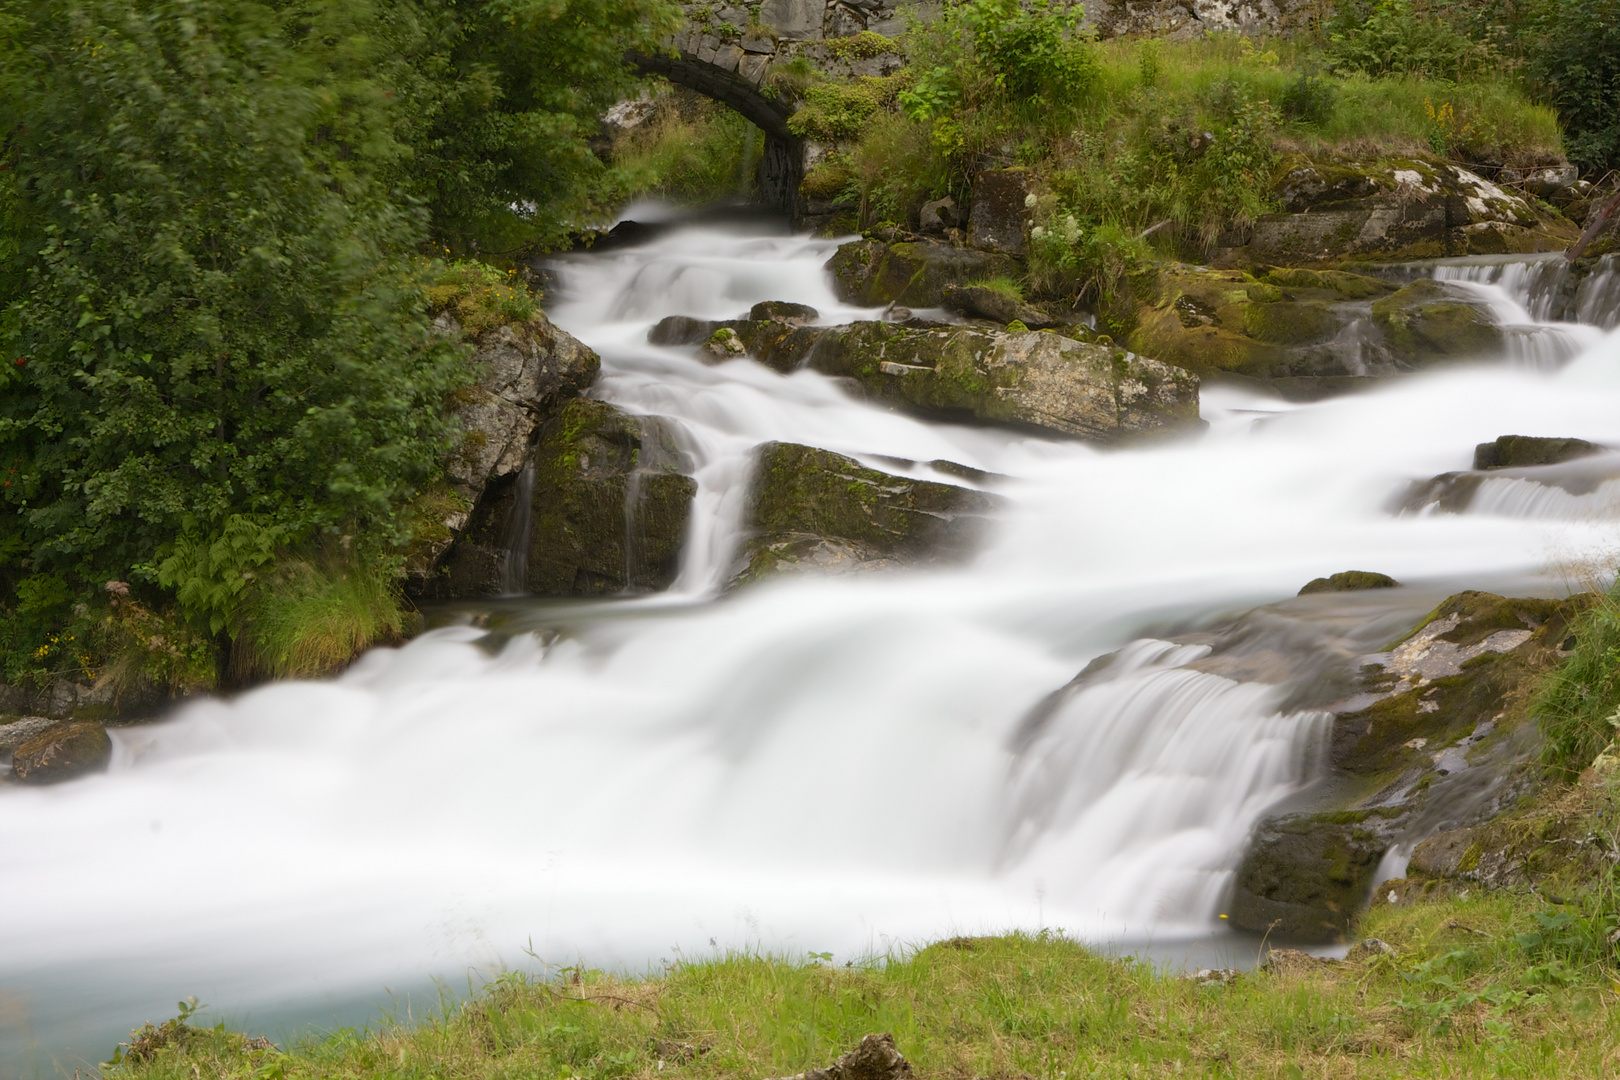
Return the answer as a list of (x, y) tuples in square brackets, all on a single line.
[(1574, 54), (836, 111), (1392, 37), (1309, 100)]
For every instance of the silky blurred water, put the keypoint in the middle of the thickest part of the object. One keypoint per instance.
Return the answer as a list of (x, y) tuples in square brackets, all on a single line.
[(814, 764)]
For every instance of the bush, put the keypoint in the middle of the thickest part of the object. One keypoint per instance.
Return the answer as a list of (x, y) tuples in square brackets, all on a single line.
[(1393, 37), (1574, 54), (218, 352)]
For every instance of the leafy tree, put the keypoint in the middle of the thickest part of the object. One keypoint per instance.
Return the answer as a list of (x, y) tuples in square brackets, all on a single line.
[(1574, 53)]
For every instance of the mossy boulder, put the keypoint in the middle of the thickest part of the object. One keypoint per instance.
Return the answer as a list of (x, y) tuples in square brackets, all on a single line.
[(1038, 380), (1349, 581), (1272, 324), (62, 752), (1433, 320), (983, 302), (914, 273), (607, 514), (1307, 876), (814, 510), (1528, 451)]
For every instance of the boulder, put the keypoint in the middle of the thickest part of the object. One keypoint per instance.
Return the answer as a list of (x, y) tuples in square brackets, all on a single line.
[(1349, 581), (814, 510), (1433, 320), (1398, 208), (939, 216), (17, 732), (606, 512), (1272, 324), (1520, 451), (62, 752), (1000, 217), (983, 302), (915, 272), (1306, 876), (1037, 380), (783, 311)]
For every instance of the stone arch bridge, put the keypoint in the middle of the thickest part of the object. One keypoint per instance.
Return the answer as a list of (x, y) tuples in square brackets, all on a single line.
[(727, 51)]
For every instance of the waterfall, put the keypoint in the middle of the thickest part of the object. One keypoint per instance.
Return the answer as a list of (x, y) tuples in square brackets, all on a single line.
[(836, 764), (1597, 301), (517, 534)]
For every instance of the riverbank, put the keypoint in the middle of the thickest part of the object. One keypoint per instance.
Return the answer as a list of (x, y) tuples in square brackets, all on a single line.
[(1474, 984)]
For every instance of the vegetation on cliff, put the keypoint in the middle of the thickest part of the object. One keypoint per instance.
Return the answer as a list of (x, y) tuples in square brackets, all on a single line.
[(221, 234)]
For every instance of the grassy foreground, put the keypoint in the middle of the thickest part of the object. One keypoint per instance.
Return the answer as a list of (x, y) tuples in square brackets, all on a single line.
[(1470, 991)]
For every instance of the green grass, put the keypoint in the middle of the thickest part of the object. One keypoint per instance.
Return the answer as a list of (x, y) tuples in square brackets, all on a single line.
[(1011, 288), (480, 296), (316, 614), (691, 151), (1578, 706), (1463, 996)]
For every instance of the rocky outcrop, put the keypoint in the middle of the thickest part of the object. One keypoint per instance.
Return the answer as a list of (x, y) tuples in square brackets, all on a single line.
[(814, 510), (1184, 20), (1035, 380), (1574, 467), (602, 510), (876, 1058), (527, 371), (1407, 208), (61, 752), (873, 273), (1433, 736)]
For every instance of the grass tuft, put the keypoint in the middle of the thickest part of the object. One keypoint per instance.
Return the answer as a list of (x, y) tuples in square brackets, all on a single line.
[(315, 614)]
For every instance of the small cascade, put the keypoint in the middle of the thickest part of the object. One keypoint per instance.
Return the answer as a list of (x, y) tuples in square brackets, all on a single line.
[(635, 534), (517, 533), (1597, 300), (1538, 284)]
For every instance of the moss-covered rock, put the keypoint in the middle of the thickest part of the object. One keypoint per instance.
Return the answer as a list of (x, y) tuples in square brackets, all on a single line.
[(608, 511), (1349, 581), (1433, 320), (1307, 876), (812, 509), (62, 752), (913, 273), (1527, 451), (1039, 380), (983, 302)]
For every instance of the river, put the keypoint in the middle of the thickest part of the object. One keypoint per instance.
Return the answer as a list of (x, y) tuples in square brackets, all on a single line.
[(842, 765)]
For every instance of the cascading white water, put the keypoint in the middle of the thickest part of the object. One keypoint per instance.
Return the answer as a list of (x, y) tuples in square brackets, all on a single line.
[(843, 763)]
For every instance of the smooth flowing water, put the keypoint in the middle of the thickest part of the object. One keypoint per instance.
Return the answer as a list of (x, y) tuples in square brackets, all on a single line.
[(847, 764)]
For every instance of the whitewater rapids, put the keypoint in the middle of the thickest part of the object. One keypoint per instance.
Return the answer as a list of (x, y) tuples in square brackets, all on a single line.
[(808, 765)]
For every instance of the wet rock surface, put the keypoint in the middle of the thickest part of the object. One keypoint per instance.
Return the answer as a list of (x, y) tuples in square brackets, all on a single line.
[(873, 273), (1431, 320), (1349, 581), (1298, 326), (982, 302), (61, 752), (812, 510), (1036, 380), (1585, 470), (1520, 451), (1432, 736), (608, 510)]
